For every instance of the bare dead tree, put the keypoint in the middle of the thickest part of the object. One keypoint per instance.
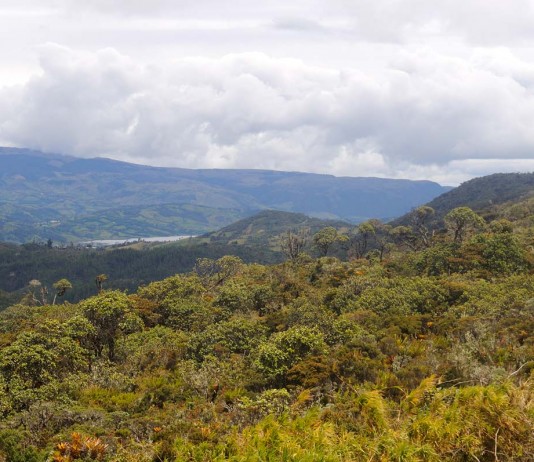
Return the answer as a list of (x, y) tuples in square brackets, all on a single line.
[(292, 244)]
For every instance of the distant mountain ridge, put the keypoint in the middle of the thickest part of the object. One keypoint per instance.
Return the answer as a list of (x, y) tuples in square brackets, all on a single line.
[(67, 198)]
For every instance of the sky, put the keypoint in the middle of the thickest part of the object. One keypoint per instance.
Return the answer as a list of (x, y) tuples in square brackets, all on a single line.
[(390, 88)]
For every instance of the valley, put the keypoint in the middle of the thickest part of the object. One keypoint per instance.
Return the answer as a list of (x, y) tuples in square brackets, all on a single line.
[(68, 199), (278, 337)]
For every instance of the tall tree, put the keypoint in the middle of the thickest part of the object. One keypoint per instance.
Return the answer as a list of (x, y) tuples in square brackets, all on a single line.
[(110, 314), (360, 242), (99, 281), (326, 238), (292, 244), (61, 287), (213, 273), (420, 220), (382, 236), (462, 220)]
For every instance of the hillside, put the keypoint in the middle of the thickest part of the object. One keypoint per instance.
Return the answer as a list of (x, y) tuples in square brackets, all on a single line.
[(66, 198), (255, 239), (483, 195), (128, 267), (265, 229)]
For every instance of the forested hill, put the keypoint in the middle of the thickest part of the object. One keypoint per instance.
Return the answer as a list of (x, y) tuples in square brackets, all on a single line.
[(481, 194), (265, 228), (66, 198), (255, 239)]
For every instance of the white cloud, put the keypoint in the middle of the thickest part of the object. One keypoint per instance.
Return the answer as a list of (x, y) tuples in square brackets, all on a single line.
[(402, 88), (426, 116), (477, 21)]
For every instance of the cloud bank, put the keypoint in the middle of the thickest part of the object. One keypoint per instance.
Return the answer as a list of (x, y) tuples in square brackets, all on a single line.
[(386, 88)]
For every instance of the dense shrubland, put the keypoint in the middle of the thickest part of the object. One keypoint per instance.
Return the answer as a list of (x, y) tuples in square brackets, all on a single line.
[(418, 348)]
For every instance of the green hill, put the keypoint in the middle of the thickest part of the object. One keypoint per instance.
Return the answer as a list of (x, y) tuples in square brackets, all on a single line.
[(483, 195), (265, 229)]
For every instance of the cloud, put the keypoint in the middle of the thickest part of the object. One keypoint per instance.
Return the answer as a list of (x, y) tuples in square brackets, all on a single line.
[(482, 22), (427, 115)]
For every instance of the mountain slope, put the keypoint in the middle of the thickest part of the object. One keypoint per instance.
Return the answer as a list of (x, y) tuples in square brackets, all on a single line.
[(481, 194), (39, 190), (266, 227), (126, 222)]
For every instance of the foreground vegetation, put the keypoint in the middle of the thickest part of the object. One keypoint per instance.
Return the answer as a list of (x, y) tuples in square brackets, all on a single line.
[(419, 347)]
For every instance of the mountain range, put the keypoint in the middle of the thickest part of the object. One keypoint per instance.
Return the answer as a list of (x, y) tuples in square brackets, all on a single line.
[(63, 198)]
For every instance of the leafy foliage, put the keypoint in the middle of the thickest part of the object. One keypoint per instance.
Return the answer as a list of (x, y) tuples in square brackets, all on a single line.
[(412, 349)]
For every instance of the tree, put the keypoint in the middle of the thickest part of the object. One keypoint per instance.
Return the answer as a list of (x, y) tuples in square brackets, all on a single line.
[(501, 226), (501, 253), (38, 293), (404, 235), (420, 218), (292, 244), (33, 364), (461, 220), (360, 242), (325, 238), (214, 272), (276, 355), (110, 314), (382, 236), (99, 281), (61, 287), (238, 335), (235, 296)]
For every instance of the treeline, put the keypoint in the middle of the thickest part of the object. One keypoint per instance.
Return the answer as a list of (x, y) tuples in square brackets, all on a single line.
[(419, 347), (128, 267), (464, 241)]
